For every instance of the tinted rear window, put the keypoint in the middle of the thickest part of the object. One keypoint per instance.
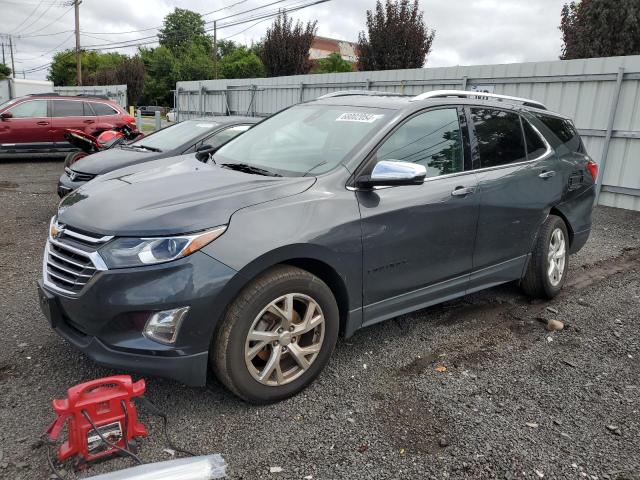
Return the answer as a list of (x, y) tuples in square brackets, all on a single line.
[(67, 108), (103, 109), (499, 137), (564, 130), (535, 145)]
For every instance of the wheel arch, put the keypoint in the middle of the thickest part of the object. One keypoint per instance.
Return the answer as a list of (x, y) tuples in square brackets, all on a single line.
[(316, 260), (558, 212)]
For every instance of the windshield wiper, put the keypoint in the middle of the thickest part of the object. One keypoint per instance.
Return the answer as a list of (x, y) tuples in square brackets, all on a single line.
[(151, 149), (246, 168)]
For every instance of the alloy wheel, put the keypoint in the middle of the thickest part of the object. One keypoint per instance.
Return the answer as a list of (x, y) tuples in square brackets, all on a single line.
[(285, 339), (556, 257)]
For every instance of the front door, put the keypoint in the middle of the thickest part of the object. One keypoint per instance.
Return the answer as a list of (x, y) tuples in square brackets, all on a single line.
[(418, 240), (28, 127)]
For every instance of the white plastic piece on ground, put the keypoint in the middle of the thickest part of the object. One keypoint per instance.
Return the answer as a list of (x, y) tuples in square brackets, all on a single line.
[(206, 467)]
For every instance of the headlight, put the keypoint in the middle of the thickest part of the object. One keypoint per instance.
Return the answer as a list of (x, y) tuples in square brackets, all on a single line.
[(133, 252)]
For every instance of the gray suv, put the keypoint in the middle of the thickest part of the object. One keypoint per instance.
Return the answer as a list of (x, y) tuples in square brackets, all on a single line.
[(330, 216)]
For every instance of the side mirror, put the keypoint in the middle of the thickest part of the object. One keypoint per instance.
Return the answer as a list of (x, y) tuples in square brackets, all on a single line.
[(391, 173), (204, 152), (4, 115)]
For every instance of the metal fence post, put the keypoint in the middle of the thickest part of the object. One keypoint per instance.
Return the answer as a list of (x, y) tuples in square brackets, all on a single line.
[(139, 120), (301, 97), (464, 82), (158, 122), (368, 84), (609, 134)]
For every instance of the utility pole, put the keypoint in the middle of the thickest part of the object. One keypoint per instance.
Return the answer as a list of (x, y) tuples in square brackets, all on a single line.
[(215, 49), (78, 59), (13, 67)]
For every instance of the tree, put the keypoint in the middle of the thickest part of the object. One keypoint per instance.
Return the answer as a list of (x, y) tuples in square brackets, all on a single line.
[(242, 63), (132, 73), (285, 48), (182, 28), (160, 78), (4, 71), (600, 28), (397, 37), (333, 63)]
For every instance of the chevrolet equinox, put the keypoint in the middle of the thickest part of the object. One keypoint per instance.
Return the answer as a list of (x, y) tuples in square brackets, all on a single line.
[(332, 215)]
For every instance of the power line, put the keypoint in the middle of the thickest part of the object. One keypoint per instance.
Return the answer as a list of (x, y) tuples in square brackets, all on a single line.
[(28, 17), (38, 19), (30, 34)]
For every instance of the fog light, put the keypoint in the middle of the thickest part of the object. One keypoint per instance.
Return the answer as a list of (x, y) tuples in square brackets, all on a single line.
[(163, 326)]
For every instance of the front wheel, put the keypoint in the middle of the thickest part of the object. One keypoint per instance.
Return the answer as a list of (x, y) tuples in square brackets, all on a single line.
[(277, 335), (73, 157), (547, 269)]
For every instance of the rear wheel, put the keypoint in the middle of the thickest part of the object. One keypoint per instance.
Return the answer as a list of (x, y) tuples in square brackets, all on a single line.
[(277, 335), (73, 157), (547, 269)]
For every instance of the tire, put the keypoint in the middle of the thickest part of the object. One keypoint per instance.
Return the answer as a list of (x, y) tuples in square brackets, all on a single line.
[(539, 280), (233, 357), (73, 157)]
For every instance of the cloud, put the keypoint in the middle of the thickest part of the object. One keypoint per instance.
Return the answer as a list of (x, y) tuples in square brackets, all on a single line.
[(467, 32)]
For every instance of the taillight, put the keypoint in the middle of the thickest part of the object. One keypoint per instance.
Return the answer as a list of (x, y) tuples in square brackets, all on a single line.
[(593, 169), (129, 119)]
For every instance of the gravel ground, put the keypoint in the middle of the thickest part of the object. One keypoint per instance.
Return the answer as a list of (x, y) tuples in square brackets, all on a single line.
[(473, 388)]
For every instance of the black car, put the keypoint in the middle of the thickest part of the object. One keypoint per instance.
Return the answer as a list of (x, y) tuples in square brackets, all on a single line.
[(182, 138), (329, 216)]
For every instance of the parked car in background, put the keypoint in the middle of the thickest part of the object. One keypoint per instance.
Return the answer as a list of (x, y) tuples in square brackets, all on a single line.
[(38, 123), (190, 136), (172, 115), (150, 110), (329, 216)]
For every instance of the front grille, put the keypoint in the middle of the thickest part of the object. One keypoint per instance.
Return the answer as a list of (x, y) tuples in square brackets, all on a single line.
[(76, 176), (71, 259)]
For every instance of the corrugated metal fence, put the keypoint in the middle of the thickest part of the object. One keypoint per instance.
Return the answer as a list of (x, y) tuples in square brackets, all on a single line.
[(117, 93), (602, 95)]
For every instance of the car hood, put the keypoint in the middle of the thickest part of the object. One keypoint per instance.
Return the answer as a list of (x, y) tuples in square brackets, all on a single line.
[(108, 160), (174, 196)]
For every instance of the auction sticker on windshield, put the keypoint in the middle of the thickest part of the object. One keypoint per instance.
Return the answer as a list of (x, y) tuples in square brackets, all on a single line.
[(358, 117)]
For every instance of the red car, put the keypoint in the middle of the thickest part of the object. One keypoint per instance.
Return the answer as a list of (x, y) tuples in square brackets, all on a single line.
[(38, 123)]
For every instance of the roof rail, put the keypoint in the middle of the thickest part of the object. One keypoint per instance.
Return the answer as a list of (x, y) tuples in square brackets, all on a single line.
[(44, 94), (99, 96), (469, 94), (372, 93)]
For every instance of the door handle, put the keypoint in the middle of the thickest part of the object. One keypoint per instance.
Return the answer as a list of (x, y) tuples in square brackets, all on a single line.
[(547, 174), (43, 123), (463, 191)]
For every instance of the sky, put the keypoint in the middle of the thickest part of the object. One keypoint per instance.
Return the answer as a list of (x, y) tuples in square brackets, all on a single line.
[(471, 32)]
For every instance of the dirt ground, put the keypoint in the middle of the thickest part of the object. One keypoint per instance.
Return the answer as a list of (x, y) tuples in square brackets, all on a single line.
[(473, 388)]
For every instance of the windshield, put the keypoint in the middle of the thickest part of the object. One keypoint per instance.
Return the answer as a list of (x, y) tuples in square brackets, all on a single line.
[(172, 137), (306, 139)]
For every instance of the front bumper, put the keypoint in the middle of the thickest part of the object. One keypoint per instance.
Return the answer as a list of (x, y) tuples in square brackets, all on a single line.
[(106, 319)]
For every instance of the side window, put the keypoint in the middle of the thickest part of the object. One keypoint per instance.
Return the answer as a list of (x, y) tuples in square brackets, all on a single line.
[(499, 137), (432, 139), (535, 145), (103, 109), (67, 108), (31, 109), (224, 136), (564, 130), (88, 111)]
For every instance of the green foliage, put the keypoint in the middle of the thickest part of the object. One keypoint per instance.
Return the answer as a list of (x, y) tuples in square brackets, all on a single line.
[(332, 64), (194, 63), (161, 75), (600, 28), (183, 28), (4, 71), (242, 63), (397, 37), (285, 49)]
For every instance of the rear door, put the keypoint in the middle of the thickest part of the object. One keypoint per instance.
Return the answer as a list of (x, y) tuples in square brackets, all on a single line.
[(105, 113), (71, 114), (418, 239), (519, 181), (29, 126)]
